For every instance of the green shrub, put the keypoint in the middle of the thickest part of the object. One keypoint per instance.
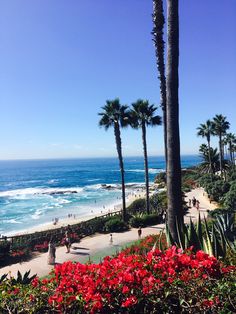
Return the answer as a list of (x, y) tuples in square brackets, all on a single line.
[(145, 220), (230, 198), (217, 189), (115, 224), (138, 205), (158, 202), (4, 248), (97, 224), (160, 178)]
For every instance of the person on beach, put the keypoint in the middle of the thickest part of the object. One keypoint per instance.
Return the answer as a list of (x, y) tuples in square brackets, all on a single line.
[(111, 238), (67, 241), (139, 232), (189, 202), (51, 252)]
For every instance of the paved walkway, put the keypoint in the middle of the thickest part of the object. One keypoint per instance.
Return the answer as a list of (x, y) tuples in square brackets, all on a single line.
[(89, 246)]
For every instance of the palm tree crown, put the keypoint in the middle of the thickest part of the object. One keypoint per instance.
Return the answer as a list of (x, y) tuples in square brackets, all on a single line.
[(114, 113), (143, 113), (220, 125), (205, 130)]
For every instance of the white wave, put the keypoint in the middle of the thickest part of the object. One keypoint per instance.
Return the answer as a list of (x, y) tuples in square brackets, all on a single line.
[(93, 187), (11, 221), (150, 170), (37, 214), (134, 170), (63, 201), (40, 191), (52, 181), (93, 180), (154, 170)]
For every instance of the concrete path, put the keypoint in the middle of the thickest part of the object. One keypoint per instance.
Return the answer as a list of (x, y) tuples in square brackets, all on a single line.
[(205, 204), (89, 246)]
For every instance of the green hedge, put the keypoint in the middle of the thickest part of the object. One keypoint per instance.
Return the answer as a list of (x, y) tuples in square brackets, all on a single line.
[(145, 220), (116, 225)]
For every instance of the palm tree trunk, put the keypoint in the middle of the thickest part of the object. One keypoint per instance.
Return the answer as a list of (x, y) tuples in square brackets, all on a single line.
[(174, 194), (119, 151), (159, 21), (209, 154), (220, 150), (146, 166), (230, 152)]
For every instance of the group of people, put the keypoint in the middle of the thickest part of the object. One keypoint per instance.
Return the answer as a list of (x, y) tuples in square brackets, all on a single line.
[(52, 246), (55, 220), (71, 215), (139, 235), (194, 202), (67, 242)]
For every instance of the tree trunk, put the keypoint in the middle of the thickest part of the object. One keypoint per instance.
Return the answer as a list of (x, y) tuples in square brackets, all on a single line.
[(220, 151), (209, 154), (174, 193), (159, 21), (119, 151), (230, 152), (146, 166)]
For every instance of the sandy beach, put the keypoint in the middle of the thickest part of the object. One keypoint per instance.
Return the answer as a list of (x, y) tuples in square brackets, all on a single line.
[(75, 219), (91, 245)]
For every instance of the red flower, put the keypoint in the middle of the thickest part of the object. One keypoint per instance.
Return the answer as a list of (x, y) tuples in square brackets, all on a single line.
[(125, 289), (35, 282), (129, 301)]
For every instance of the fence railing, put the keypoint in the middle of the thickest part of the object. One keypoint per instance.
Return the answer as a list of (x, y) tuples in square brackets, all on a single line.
[(55, 231)]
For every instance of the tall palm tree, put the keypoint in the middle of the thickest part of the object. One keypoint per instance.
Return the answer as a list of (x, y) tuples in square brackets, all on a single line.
[(206, 130), (230, 139), (143, 115), (220, 126), (115, 115), (174, 193), (157, 33)]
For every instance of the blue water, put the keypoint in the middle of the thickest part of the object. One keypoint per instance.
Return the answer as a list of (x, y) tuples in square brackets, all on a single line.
[(34, 192)]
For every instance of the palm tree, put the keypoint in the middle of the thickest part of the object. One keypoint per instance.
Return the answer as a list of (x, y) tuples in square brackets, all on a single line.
[(207, 166), (230, 139), (225, 148), (142, 115), (115, 115), (174, 193), (220, 126), (157, 33), (205, 130)]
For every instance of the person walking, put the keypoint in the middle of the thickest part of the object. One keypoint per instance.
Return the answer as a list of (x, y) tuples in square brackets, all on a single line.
[(189, 202), (111, 239), (139, 232), (67, 241), (51, 252)]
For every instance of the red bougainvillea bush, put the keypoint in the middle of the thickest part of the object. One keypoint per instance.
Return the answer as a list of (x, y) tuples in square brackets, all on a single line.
[(157, 282)]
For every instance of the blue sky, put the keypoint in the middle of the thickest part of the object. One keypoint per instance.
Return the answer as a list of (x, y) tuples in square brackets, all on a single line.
[(60, 60)]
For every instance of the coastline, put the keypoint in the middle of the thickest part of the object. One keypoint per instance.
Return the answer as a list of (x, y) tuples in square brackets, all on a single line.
[(90, 245), (132, 195)]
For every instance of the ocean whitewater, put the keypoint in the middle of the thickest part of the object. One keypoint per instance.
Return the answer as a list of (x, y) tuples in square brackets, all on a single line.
[(34, 192)]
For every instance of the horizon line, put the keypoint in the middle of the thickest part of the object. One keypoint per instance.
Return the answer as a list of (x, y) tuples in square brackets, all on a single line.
[(88, 157)]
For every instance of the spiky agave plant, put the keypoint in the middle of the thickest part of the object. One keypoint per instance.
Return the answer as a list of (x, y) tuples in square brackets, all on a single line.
[(214, 241)]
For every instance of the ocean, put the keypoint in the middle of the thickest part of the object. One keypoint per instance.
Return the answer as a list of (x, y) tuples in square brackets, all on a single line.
[(34, 192)]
